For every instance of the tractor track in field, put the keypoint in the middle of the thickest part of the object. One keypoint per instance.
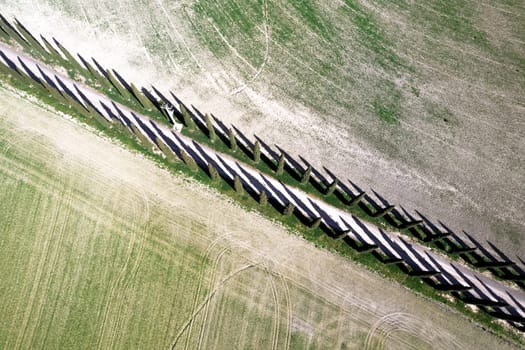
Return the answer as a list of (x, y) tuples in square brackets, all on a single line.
[(206, 301), (212, 285), (67, 194), (208, 252), (126, 275), (277, 313), (289, 311), (49, 253), (267, 39)]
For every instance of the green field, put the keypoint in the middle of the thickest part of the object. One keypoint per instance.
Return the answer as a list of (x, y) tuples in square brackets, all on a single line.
[(89, 261), (99, 248)]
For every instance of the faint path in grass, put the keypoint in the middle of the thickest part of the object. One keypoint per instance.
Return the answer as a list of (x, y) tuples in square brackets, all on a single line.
[(179, 36), (213, 280), (209, 250), (126, 275), (206, 301), (403, 324), (289, 312), (266, 50)]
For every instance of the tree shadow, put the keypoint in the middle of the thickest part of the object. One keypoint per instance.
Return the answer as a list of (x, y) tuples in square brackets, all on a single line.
[(359, 244), (418, 264), (388, 254), (50, 81), (291, 166)]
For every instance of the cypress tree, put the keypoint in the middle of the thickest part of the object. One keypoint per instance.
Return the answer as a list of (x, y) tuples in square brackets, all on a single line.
[(170, 156), (4, 34), (69, 58), (384, 211), (341, 234), (90, 108), (357, 199), (31, 39), (13, 33), (288, 210), (233, 140), (54, 53), (121, 127), (188, 120), (98, 78), (332, 187), (412, 224), (211, 129), (280, 165), (315, 223), (263, 198), (306, 175), (52, 92), (73, 103), (139, 96), (6, 69), (237, 184), (214, 174), (189, 161), (256, 152), (116, 84), (143, 140)]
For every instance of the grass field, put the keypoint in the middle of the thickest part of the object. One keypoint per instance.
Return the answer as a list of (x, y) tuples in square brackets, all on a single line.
[(99, 248)]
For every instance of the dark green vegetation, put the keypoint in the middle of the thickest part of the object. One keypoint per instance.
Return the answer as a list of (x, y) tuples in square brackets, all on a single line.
[(329, 60)]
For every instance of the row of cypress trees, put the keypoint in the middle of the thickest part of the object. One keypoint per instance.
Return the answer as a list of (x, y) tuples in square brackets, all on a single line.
[(110, 79)]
